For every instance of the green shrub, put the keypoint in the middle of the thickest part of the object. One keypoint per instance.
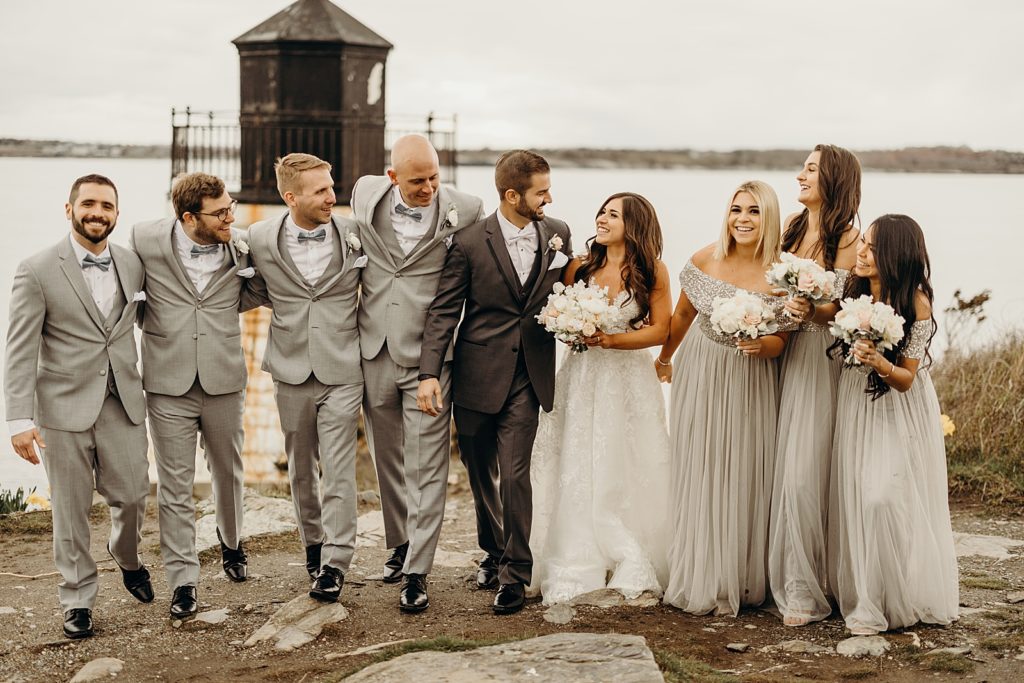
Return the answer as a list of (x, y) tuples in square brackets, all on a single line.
[(15, 501)]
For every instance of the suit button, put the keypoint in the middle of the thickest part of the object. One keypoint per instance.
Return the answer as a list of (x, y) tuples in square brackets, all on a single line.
[(103, 372), (199, 307), (107, 328), (195, 336), (398, 275), (515, 349), (316, 298)]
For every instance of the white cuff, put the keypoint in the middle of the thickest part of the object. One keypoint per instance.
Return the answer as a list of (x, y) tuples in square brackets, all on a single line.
[(15, 427)]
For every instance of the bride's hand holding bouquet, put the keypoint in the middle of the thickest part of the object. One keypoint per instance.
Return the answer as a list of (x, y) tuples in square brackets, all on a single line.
[(578, 313)]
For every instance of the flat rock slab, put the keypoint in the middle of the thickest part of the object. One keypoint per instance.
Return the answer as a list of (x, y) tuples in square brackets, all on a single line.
[(214, 616), (996, 547), (800, 647), (98, 669), (863, 646), (8, 610), (955, 651), (297, 623), (557, 658)]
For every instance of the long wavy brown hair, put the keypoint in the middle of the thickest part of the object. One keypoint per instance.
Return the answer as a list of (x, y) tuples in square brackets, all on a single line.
[(643, 249), (904, 270), (839, 186)]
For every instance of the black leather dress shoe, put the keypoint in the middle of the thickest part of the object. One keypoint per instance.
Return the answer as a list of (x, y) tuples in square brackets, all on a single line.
[(487, 574), (234, 561), (413, 596), (510, 598), (313, 559), (137, 581), (78, 623), (327, 585), (393, 567), (185, 603)]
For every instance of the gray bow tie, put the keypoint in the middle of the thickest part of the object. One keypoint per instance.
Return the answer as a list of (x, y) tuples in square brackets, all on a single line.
[(198, 250), (526, 235), (90, 261), (317, 235), (409, 213)]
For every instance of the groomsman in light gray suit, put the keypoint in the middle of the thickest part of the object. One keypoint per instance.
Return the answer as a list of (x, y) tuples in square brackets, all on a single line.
[(308, 262), (194, 371), (407, 219), (73, 390)]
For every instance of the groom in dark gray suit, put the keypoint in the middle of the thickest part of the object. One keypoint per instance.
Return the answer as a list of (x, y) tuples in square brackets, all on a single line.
[(500, 271)]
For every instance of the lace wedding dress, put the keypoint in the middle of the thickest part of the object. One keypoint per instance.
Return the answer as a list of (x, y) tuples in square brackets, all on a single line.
[(600, 474)]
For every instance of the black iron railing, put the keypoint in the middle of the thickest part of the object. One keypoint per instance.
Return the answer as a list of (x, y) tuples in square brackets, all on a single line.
[(240, 149)]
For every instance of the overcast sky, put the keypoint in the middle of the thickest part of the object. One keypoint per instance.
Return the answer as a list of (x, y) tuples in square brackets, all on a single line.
[(714, 74)]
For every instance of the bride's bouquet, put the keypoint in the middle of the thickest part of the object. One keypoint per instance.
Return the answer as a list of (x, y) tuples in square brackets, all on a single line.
[(572, 313), (743, 315), (802, 277), (862, 318)]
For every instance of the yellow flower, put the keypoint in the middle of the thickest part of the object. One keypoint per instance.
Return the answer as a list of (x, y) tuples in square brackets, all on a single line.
[(947, 425), (37, 501)]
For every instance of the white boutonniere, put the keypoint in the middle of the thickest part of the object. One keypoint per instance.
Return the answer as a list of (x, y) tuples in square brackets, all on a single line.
[(139, 296), (246, 272), (352, 241), (241, 246), (555, 243), (452, 217)]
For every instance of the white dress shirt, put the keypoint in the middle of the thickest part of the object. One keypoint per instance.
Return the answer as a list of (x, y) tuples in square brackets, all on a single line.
[(310, 257), (201, 267), (521, 244), (102, 284), (410, 231), (103, 289)]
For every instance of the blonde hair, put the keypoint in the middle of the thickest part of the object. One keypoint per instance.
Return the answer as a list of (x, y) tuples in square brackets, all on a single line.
[(289, 168), (770, 242)]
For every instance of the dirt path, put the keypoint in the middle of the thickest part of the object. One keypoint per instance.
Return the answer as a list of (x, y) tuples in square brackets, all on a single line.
[(33, 649)]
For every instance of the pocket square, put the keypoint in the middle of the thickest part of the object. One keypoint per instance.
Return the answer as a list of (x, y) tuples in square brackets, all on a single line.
[(246, 272), (361, 261), (559, 260), (139, 296)]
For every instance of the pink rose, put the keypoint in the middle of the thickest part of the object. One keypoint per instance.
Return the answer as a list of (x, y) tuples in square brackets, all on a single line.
[(864, 318), (805, 283), (752, 318)]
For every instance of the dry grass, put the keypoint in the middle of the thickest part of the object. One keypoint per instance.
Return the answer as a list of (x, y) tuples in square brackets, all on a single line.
[(983, 393)]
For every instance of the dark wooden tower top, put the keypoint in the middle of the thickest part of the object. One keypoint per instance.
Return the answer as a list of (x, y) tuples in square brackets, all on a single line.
[(313, 21)]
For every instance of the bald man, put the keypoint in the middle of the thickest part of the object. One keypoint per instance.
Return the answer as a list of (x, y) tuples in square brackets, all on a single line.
[(407, 219)]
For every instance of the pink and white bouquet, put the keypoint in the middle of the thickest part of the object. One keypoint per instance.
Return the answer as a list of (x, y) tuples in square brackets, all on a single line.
[(572, 313), (743, 315), (802, 277), (862, 318)]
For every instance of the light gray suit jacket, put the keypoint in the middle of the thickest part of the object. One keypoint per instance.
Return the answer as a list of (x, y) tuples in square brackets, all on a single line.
[(186, 333), (397, 289), (59, 347), (313, 326)]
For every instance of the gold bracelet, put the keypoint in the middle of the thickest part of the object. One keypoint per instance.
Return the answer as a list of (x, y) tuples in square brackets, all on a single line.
[(662, 364)]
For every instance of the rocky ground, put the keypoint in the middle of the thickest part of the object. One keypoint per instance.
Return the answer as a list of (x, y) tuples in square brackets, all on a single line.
[(258, 630)]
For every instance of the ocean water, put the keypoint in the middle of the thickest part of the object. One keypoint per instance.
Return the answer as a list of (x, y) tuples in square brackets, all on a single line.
[(975, 236)]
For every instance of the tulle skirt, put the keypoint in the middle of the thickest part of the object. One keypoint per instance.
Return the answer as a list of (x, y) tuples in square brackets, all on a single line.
[(797, 533), (600, 475), (893, 560), (723, 418)]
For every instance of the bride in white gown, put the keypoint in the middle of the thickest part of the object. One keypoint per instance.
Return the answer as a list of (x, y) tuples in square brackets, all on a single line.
[(600, 467)]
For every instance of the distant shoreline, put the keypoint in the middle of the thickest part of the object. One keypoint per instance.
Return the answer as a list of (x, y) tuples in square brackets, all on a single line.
[(907, 160)]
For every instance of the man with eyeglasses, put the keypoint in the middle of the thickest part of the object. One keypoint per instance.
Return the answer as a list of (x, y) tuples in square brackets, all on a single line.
[(194, 372)]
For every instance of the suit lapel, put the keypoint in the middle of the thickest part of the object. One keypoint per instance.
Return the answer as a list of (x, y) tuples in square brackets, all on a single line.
[(73, 271), (439, 231), (376, 222), (223, 275), (124, 277), (544, 234), (281, 256), (496, 243), (338, 260), (173, 259)]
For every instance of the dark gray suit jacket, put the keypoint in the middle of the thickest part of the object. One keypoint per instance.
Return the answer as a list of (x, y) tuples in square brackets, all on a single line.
[(478, 275)]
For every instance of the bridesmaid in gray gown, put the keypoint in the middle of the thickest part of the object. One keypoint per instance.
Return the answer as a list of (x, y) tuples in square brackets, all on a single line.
[(723, 415), (824, 231), (894, 559)]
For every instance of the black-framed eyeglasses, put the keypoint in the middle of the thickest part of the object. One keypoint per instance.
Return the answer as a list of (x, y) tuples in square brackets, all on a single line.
[(221, 215)]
